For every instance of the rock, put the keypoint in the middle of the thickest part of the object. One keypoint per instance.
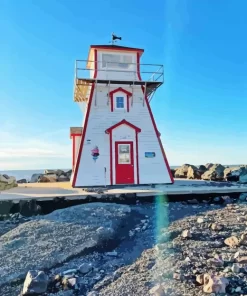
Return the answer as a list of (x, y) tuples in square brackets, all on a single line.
[(200, 279), (183, 170), (93, 293), (54, 172), (48, 178), (216, 227), (243, 197), (231, 241), (217, 262), (35, 178), (200, 220), (242, 260), (73, 283), (28, 208), (173, 172), (235, 268), (192, 201), (7, 182), (21, 181), (62, 234), (194, 173), (243, 178), (209, 165), (85, 268), (157, 291), (186, 234), (63, 178), (202, 168), (243, 239), (36, 282), (70, 271), (215, 173), (215, 284)]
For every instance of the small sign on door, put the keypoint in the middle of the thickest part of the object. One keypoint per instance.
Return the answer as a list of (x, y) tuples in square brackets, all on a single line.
[(149, 154)]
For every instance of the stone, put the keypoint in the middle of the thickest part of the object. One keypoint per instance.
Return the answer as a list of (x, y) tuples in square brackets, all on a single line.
[(200, 279), (183, 170), (231, 241), (93, 293), (215, 284), (186, 234), (243, 196), (235, 268), (36, 282), (215, 173), (48, 178), (21, 181), (7, 182), (157, 291), (35, 178), (242, 259), (216, 227), (194, 173), (85, 268), (69, 271), (200, 220), (177, 276)]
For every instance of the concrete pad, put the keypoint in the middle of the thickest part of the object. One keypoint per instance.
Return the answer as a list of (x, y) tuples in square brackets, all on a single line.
[(49, 191)]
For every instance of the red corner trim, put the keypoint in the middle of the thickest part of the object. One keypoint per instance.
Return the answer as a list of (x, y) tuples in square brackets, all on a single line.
[(109, 130), (120, 89), (111, 172), (138, 66), (83, 135), (137, 160), (73, 153), (158, 137), (95, 64)]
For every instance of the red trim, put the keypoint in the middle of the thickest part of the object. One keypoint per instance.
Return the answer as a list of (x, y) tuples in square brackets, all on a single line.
[(75, 135), (109, 130), (120, 89), (95, 64), (83, 135), (73, 153), (137, 161), (109, 47), (138, 66), (158, 137), (111, 173)]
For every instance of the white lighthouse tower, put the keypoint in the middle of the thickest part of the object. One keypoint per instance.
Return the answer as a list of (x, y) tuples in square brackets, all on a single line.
[(118, 142)]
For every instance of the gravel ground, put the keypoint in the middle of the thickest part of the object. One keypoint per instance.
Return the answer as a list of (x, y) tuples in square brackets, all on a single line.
[(167, 248)]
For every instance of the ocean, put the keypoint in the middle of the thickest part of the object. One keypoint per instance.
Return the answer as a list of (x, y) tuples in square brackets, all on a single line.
[(27, 174)]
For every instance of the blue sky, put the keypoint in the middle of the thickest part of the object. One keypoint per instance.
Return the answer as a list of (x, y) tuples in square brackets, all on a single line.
[(200, 110)]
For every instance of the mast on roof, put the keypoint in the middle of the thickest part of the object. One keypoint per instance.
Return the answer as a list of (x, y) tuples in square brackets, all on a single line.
[(115, 38)]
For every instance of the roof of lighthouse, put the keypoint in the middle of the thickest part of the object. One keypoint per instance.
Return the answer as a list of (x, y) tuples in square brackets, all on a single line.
[(116, 47)]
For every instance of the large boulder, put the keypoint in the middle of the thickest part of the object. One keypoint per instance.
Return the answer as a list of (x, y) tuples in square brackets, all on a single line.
[(202, 168), (215, 173), (35, 178), (234, 173), (48, 178), (50, 240), (7, 182), (208, 165), (54, 172), (183, 170), (194, 173)]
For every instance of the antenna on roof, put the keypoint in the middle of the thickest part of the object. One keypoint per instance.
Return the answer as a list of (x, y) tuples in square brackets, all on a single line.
[(114, 38)]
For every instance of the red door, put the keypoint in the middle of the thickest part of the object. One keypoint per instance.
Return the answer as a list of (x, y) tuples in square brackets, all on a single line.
[(124, 161)]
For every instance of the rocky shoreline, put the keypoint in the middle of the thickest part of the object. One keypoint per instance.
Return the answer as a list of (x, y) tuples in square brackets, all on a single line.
[(178, 248), (212, 172)]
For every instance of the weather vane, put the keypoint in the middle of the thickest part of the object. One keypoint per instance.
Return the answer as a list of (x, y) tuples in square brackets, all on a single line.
[(114, 38)]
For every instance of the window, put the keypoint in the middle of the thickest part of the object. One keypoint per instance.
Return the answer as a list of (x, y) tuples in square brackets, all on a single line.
[(119, 102), (116, 61), (123, 154)]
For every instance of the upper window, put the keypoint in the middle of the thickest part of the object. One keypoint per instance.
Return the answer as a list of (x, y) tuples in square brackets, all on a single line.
[(116, 61), (119, 102)]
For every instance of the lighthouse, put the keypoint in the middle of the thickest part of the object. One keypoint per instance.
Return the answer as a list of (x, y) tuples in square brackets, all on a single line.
[(118, 143)]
